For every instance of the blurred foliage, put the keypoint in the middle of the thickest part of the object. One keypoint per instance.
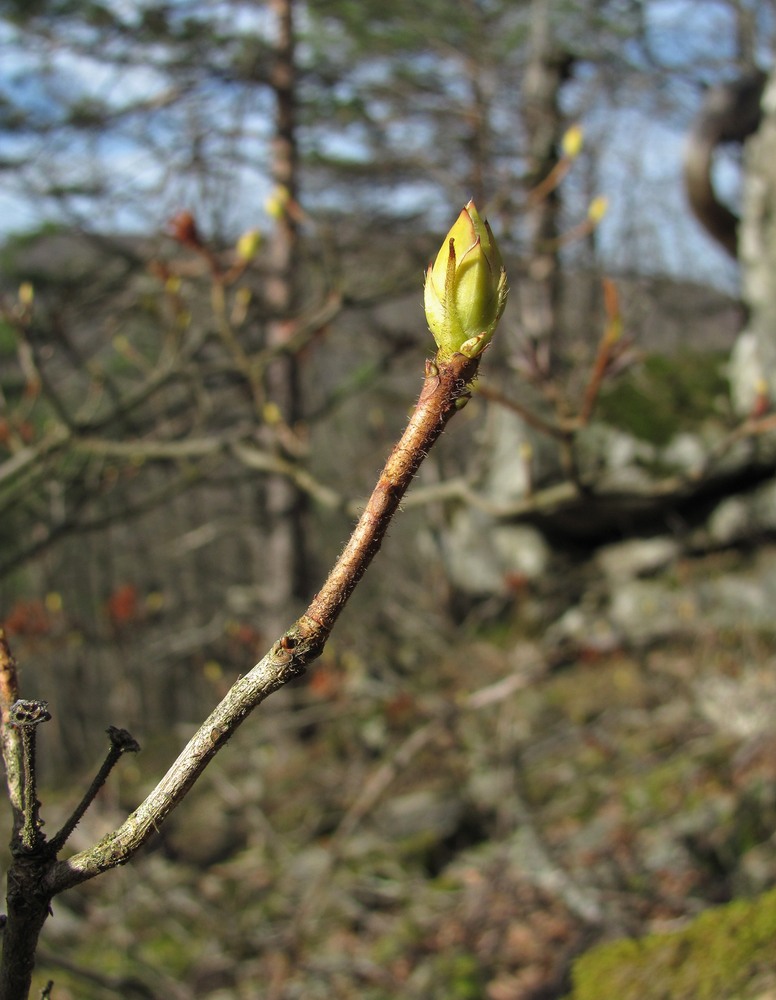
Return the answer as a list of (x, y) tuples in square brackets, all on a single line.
[(667, 394)]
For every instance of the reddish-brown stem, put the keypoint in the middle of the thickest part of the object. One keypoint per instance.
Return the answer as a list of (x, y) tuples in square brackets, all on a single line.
[(607, 346), (445, 384), (444, 388), (10, 740)]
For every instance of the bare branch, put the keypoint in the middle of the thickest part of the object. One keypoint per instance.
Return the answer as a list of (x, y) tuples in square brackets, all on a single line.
[(445, 385)]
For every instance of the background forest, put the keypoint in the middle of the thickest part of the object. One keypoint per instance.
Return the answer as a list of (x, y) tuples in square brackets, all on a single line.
[(544, 719)]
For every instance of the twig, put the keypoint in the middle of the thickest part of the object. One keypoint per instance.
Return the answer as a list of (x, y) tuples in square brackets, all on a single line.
[(444, 390), (121, 742), (607, 349), (558, 431)]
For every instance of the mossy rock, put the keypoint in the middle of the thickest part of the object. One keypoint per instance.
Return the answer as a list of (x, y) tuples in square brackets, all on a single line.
[(725, 954)]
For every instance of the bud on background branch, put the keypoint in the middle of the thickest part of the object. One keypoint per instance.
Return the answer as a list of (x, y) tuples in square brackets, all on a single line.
[(466, 288)]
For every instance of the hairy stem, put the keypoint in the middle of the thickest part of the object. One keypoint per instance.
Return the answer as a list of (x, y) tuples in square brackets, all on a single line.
[(444, 388)]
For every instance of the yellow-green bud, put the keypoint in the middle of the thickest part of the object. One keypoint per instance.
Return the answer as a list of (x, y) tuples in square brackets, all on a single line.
[(466, 288), (572, 141), (598, 208), (277, 203), (248, 245)]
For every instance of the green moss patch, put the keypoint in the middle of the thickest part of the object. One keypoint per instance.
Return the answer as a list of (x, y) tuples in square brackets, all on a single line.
[(725, 954)]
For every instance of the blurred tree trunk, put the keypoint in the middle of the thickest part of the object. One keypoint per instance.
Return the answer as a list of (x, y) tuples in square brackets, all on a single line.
[(753, 366), (548, 68), (286, 549)]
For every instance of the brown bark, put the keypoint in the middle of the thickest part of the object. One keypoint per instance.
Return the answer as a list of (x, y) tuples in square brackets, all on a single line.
[(29, 903)]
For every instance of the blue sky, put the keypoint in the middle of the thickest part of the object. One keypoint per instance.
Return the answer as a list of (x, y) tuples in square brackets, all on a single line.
[(648, 223)]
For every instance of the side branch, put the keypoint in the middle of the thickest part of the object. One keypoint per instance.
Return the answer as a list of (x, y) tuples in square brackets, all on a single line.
[(444, 389)]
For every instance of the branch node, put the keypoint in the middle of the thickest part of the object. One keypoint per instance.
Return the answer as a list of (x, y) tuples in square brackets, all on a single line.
[(122, 741), (25, 714)]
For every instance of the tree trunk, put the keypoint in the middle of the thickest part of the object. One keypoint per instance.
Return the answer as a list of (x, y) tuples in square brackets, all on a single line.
[(753, 365), (285, 510), (546, 72), (28, 908)]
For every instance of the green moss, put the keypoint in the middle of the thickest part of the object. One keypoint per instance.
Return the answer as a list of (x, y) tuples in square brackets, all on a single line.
[(665, 787), (664, 395), (725, 954), (457, 976), (8, 340)]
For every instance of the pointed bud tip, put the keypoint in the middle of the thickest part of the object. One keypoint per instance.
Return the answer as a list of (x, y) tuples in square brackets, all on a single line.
[(466, 288)]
